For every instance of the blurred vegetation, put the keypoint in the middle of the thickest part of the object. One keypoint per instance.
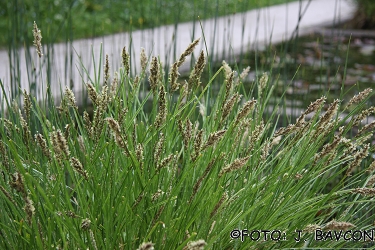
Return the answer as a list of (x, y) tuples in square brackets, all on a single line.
[(63, 20), (364, 17)]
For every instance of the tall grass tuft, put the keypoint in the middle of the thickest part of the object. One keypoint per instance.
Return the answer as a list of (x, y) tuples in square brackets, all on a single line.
[(180, 175)]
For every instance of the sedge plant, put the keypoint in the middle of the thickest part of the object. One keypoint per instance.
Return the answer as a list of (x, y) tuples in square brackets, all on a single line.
[(180, 175)]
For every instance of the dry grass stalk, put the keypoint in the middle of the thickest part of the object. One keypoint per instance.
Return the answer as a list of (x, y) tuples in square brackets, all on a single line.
[(236, 164), (195, 75), (358, 98), (195, 245), (213, 138), (146, 246), (154, 74), (365, 191), (125, 61), (37, 40), (77, 165), (187, 52), (162, 114), (338, 225), (106, 70)]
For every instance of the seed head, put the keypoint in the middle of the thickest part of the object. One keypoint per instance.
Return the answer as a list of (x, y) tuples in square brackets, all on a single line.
[(146, 246), (125, 60), (262, 83), (162, 114), (85, 224), (92, 94), (236, 164), (195, 75), (43, 145), (242, 76), (27, 105), (228, 106), (143, 60), (337, 225), (77, 165), (173, 76), (360, 97), (37, 40), (195, 245), (113, 124), (106, 70), (154, 74), (245, 110), (314, 106), (214, 138), (187, 52)]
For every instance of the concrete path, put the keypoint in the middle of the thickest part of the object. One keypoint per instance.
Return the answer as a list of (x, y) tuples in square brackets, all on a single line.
[(225, 36)]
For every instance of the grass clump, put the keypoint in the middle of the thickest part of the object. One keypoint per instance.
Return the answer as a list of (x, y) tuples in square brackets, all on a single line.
[(184, 174)]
